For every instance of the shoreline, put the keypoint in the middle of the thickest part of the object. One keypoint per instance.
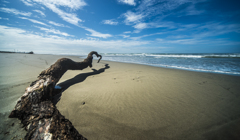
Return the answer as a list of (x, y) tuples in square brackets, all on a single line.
[(115, 100), (175, 68), (213, 63)]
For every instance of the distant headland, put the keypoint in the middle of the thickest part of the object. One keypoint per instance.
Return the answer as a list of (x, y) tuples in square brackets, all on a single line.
[(31, 52)]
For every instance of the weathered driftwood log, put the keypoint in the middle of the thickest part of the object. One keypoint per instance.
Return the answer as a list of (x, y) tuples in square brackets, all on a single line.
[(35, 109), (62, 65)]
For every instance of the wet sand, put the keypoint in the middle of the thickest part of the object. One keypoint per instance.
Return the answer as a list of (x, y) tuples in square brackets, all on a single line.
[(115, 100)]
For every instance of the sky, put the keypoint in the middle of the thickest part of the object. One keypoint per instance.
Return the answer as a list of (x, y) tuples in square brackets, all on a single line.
[(120, 26)]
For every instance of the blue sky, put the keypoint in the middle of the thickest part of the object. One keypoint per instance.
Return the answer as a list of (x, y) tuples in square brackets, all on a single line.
[(120, 26)]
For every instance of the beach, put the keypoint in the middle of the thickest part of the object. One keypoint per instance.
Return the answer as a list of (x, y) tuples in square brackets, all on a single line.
[(114, 100)]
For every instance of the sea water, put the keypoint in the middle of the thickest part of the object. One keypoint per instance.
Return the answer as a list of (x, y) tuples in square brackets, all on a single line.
[(216, 63)]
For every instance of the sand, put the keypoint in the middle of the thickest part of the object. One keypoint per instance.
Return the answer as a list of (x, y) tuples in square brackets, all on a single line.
[(117, 101)]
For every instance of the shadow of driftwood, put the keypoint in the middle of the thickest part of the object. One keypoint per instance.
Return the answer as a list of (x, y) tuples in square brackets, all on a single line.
[(77, 79)]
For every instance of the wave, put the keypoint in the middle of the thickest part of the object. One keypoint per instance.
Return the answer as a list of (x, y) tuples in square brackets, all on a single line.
[(223, 56), (156, 55), (179, 67), (193, 62), (200, 70)]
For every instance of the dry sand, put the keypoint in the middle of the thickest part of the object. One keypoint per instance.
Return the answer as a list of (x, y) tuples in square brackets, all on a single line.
[(129, 101)]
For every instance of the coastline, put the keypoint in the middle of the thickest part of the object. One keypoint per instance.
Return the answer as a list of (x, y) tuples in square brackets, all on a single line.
[(201, 62), (175, 68), (114, 100)]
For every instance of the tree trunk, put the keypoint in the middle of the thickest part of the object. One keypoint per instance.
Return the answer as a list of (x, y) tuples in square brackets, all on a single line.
[(35, 109)]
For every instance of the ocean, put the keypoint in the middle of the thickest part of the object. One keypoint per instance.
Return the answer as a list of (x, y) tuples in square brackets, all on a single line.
[(215, 63)]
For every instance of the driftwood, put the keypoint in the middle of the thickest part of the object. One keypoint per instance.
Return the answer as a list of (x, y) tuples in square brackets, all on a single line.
[(35, 108)]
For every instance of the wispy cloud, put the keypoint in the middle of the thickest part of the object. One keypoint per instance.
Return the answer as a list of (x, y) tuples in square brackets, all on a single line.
[(96, 34), (150, 13), (141, 26), (139, 37), (208, 29), (34, 21), (151, 8), (4, 18), (188, 34), (215, 29), (5, 1), (54, 6), (69, 17), (110, 22), (129, 2), (27, 2), (56, 24), (72, 4), (127, 32), (191, 10), (197, 42), (53, 31), (125, 36), (191, 41), (15, 11), (131, 17), (40, 12)]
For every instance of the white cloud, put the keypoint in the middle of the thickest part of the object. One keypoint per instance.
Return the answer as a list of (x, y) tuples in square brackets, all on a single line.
[(4, 18), (15, 38), (205, 30), (127, 32), (40, 12), (188, 41), (27, 2), (150, 13), (55, 4), (14, 11), (110, 22), (97, 34), (69, 17), (140, 26), (164, 8), (139, 37), (136, 31), (215, 29), (56, 24), (72, 4), (125, 36), (191, 10), (34, 21), (5, 1), (129, 2), (132, 17), (53, 31)]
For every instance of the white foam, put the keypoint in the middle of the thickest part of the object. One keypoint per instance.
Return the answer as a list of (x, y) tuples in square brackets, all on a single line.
[(201, 70)]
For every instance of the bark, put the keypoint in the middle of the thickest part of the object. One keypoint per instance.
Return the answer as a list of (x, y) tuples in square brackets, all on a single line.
[(35, 108)]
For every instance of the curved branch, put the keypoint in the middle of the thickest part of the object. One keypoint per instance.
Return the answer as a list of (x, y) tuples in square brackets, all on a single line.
[(62, 65), (92, 53)]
